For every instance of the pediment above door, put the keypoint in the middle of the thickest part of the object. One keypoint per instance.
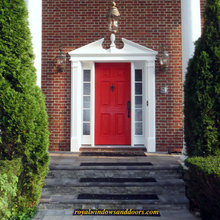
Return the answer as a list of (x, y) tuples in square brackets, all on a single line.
[(95, 51)]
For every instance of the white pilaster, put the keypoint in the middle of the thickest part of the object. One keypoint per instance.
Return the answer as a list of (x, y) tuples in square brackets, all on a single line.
[(149, 105), (35, 24), (191, 29), (76, 102), (93, 104)]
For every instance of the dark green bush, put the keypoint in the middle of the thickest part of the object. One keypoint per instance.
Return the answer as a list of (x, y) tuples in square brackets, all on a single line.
[(9, 173), (24, 123), (202, 89), (203, 185)]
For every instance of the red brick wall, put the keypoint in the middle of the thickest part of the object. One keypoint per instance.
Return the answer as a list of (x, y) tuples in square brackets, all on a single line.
[(79, 22), (203, 3)]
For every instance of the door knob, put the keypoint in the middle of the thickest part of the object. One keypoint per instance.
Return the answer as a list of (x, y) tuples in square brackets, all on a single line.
[(112, 87)]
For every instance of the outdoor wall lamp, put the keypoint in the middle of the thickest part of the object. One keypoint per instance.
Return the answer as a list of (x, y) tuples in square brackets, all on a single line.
[(164, 59), (61, 60), (113, 16)]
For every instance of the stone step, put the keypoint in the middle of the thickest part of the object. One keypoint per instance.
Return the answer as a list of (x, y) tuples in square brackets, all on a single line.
[(71, 202), (76, 166), (154, 198), (177, 212), (76, 182), (73, 190), (161, 174)]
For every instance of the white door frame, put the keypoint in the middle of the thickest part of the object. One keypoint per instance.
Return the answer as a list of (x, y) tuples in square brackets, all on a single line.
[(139, 57)]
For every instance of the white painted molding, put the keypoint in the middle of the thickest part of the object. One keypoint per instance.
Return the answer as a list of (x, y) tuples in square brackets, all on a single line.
[(150, 106), (132, 103), (75, 106), (112, 41)]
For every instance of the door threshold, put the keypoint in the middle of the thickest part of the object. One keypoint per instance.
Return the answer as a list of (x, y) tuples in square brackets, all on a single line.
[(112, 148)]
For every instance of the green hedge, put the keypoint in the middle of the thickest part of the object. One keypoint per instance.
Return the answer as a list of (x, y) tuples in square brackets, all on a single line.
[(202, 89), (23, 119), (9, 173), (203, 185)]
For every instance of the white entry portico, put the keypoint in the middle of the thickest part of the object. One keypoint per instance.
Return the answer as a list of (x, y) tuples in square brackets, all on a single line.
[(83, 61)]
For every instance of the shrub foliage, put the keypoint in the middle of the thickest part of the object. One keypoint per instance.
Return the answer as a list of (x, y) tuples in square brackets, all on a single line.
[(9, 173), (202, 88), (24, 123), (203, 185)]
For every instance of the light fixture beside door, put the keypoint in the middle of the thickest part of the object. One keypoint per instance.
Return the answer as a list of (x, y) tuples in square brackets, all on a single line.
[(61, 60), (164, 59)]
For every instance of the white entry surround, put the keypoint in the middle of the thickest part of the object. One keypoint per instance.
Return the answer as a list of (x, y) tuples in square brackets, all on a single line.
[(140, 57)]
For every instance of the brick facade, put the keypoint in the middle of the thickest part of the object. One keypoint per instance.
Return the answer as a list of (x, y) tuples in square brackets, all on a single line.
[(202, 2), (150, 23)]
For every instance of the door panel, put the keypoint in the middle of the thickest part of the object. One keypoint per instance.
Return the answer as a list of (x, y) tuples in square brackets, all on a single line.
[(105, 94), (112, 93), (120, 124), (105, 119)]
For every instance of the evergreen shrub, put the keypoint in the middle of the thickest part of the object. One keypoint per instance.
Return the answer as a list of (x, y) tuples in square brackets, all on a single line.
[(202, 89), (9, 173), (203, 185), (23, 119)]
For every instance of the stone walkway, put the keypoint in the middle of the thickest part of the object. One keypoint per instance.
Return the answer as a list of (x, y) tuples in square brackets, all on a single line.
[(153, 175)]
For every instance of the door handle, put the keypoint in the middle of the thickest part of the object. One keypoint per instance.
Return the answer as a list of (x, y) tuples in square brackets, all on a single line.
[(129, 109)]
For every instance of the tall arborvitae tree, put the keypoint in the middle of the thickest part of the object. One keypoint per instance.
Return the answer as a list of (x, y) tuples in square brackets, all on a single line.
[(202, 88), (23, 118)]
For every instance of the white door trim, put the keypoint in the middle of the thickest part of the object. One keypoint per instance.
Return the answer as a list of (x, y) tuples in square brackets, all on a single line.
[(85, 57)]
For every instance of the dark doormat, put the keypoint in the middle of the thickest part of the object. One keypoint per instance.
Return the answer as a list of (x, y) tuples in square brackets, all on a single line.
[(117, 180), (117, 164), (118, 196)]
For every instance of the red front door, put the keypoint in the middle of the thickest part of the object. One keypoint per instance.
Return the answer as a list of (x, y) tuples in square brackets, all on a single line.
[(112, 104)]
